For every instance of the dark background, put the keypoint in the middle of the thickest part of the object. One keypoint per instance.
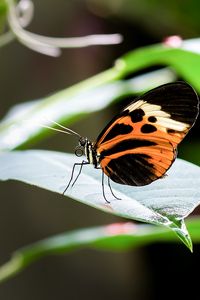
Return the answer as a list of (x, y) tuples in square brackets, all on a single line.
[(28, 214)]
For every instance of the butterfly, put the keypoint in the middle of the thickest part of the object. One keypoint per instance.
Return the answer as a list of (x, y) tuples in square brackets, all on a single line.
[(139, 144)]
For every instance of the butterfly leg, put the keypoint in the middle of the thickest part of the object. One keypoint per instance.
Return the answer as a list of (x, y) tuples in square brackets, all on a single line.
[(81, 166), (103, 188), (109, 184)]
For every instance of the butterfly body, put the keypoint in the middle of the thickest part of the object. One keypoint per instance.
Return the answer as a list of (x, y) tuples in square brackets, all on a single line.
[(90, 151), (140, 144)]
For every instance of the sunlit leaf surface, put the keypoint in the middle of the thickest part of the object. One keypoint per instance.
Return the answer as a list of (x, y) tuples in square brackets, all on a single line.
[(165, 202)]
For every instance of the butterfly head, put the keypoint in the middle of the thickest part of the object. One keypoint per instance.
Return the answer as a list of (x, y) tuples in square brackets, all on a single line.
[(83, 141), (85, 147), (82, 144)]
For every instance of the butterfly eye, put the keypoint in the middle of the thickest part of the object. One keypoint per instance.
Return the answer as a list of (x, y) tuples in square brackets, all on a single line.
[(79, 151), (82, 141)]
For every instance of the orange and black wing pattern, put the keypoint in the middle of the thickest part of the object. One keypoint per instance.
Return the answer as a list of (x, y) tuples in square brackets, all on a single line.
[(140, 144)]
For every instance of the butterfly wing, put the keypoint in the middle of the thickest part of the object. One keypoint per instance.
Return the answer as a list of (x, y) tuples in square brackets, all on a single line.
[(139, 145)]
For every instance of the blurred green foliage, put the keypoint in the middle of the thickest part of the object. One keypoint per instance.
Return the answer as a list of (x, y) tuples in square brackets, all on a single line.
[(3, 9), (160, 18), (113, 237)]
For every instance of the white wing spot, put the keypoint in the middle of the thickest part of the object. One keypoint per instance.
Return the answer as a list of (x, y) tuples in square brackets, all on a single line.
[(135, 105), (163, 118)]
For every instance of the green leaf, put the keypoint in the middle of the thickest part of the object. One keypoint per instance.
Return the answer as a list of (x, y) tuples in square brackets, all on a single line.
[(22, 124), (164, 202), (185, 63), (113, 237), (71, 104)]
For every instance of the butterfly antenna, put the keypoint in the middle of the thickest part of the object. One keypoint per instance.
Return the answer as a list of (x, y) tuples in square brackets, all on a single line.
[(66, 130)]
